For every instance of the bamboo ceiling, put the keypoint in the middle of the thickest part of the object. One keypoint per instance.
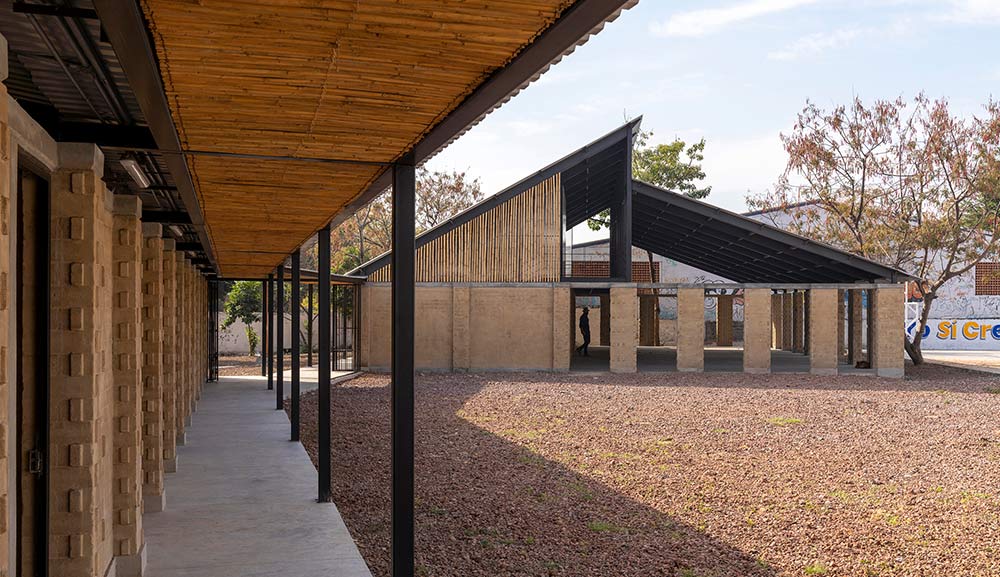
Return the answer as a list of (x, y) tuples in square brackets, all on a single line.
[(351, 80)]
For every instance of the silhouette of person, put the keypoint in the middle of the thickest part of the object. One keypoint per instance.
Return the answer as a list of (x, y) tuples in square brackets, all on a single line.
[(585, 331)]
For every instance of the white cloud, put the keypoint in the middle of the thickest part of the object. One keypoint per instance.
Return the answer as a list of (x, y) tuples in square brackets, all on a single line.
[(734, 167), (813, 44), (973, 12), (706, 21)]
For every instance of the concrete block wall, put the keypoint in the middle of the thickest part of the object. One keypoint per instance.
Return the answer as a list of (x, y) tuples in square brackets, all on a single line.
[(82, 407), (758, 327), (469, 327), (624, 329), (724, 321), (182, 354), (798, 321), (887, 347), (787, 326), (690, 329), (169, 267), (777, 322), (153, 493), (127, 389), (823, 317)]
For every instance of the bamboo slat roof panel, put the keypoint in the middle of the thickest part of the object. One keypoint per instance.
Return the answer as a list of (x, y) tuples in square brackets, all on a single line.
[(344, 79)]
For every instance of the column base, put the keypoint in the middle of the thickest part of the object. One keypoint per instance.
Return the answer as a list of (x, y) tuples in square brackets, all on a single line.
[(826, 372), (181, 439), (154, 503), (129, 565), (756, 371), (170, 465), (890, 373), (691, 369)]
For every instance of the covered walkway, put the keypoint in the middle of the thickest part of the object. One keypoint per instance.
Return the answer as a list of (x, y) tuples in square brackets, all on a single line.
[(243, 500)]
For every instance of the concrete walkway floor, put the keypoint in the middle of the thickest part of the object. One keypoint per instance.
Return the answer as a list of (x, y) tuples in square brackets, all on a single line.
[(985, 361), (243, 500)]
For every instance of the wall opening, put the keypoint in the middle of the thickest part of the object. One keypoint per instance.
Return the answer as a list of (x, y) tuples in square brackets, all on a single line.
[(32, 373)]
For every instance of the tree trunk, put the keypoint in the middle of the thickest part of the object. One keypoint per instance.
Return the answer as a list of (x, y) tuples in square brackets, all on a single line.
[(913, 348)]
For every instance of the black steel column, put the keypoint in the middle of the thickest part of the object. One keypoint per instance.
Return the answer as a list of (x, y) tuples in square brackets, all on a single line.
[(263, 327), (279, 299), (850, 326), (403, 302), (296, 311), (269, 344), (870, 326), (309, 330), (323, 287)]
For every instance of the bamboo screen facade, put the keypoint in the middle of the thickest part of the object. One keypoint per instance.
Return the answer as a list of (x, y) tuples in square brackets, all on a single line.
[(519, 240)]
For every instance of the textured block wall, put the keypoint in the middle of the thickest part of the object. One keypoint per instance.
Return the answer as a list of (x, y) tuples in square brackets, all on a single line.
[(127, 351), (169, 400), (82, 406), (182, 354), (152, 367)]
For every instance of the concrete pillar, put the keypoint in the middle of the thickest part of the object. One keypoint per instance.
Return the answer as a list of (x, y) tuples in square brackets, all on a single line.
[(798, 321), (777, 324), (126, 351), (887, 346), (460, 328), (605, 336), (82, 404), (153, 493), (856, 324), (562, 327), (787, 327), (690, 329), (6, 303), (724, 321), (822, 331), (624, 329), (758, 326), (169, 400)]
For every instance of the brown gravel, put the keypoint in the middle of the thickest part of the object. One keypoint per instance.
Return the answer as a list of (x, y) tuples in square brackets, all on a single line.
[(680, 474), (239, 366)]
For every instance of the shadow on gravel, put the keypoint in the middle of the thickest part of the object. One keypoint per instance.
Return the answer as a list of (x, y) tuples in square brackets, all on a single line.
[(487, 506)]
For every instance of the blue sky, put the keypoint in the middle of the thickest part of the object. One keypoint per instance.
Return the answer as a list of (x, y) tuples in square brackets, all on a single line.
[(736, 72)]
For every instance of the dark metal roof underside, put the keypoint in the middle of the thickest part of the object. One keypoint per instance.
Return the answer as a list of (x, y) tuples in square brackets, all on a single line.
[(739, 248), (589, 178), (67, 77)]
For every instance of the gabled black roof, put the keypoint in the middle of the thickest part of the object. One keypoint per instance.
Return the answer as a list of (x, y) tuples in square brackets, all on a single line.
[(591, 176), (740, 248)]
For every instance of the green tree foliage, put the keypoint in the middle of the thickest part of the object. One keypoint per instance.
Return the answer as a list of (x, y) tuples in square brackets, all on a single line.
[(674, 166), (243, 303)]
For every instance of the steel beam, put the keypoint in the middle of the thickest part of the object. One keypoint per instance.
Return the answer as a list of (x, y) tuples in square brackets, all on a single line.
[(403, 304), (126, 31), (279, 299), (324, 365), (296, 318)]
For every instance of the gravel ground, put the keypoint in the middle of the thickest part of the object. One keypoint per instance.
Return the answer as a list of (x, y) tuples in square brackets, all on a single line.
[(681, 474), (239, 366)]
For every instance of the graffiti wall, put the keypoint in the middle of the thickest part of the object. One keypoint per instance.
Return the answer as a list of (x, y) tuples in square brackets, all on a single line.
[(959, 334)]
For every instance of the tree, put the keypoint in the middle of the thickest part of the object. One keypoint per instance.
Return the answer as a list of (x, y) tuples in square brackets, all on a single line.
[(906, 184), (440, 196), (243, 302), (674, 166)]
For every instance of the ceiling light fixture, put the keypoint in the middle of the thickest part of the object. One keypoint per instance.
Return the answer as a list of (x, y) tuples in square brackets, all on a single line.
[(135, 171)]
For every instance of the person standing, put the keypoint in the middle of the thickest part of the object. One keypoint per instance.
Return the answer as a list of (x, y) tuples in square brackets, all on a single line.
[(585, 331)]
